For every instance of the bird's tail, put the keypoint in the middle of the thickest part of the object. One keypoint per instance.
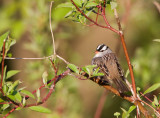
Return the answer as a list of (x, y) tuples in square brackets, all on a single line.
[(121, 85)]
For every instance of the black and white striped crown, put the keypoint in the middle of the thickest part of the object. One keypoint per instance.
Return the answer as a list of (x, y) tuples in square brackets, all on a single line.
[(101, 48)]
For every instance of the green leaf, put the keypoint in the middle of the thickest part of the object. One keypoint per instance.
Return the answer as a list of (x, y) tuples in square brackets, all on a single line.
[(127, 73), (9, 43), (73, 68), (113, 5), (155, 103), (38, 95), (88, 13), (18, 97), (126, 114), (5, 88), (45, 78), (91, 4), (117, 114), (68, 14), (1, 100), (157, 40), (11, 97), (20, 89), (87, 70), (67, 4), (138, 88), (131, 109), (2, 38), (14, 86), (78, 3), (18, 108), (40, 109), (9, 54), (24, 101), (13, 41), (98, 74), (91, 66), (152, 88), (5, 106), (11, 73), (4, 75)]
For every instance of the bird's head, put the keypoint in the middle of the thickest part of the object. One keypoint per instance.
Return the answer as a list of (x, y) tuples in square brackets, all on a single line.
[(101, 50)]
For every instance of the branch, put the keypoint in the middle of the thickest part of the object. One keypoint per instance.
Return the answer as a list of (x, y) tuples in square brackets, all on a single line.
[(54, 49), (129, 64), (32, 58), (128, 98), (58, 78), (117, 19), (126, 52), (62, 59)]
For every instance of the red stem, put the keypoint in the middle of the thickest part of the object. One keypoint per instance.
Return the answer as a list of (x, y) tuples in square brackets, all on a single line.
[(104, 16), (2, 68), (145, 97), (97, 16), (129, 63), (104, 6)]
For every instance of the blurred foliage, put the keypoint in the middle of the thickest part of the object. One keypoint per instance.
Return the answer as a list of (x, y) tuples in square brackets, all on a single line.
[(147, 65), (29, 21)]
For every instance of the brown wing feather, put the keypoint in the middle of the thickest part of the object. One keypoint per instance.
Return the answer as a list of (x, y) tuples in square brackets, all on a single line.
[(109, 65)]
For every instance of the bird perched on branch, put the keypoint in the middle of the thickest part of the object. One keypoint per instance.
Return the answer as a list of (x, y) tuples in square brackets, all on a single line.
[(108, 64)]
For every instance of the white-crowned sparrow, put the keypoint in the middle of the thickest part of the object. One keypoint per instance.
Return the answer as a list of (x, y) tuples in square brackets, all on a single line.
[(108, 64)]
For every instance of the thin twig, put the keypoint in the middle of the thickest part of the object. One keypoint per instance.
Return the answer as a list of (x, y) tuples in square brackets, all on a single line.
[(39, 58), (104, 17), (145, 97), (97, 16), (54, 49), (55, 69), (117, 19), (62, 59), (104, 6)]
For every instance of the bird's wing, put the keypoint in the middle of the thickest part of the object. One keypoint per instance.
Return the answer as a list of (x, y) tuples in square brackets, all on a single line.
[(100, 64)]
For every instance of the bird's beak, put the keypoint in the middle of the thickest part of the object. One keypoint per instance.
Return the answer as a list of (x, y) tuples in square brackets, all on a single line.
[(96, 52)]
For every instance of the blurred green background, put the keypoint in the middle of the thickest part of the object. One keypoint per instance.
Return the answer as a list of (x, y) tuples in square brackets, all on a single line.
[(28, 23)]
